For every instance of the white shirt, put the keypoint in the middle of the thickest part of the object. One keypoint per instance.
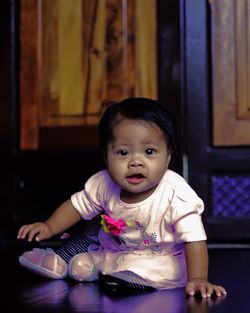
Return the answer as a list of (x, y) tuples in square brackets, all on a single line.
[(151, 241)]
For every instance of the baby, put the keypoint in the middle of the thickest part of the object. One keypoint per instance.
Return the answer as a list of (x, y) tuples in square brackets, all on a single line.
[(151, 233)]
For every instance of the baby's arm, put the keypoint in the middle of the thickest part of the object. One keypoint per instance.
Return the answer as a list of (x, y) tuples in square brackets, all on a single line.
[(197, 271), (63, 217)]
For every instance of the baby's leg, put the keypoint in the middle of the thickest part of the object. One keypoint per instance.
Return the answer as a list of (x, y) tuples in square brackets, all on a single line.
[(53, 263), (78, 243), (82, 268)]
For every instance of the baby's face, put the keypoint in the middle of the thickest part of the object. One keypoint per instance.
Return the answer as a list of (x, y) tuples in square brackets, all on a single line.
[(137, 158)]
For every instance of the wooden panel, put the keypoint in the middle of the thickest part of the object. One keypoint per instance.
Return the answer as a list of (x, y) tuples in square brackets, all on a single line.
[(242, 24), (231, 70), (87, 53), (73, 61), (29, 97), (146, 78), (120, 48)]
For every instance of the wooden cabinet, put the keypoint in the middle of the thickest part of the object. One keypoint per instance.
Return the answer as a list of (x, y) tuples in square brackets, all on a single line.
[(218, 132), (48, 128)]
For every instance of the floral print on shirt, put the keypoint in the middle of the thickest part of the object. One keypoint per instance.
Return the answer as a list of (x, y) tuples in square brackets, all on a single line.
[(117, 227)]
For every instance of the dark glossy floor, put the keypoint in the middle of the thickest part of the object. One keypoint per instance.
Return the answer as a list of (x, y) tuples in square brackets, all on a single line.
[(22, 291)]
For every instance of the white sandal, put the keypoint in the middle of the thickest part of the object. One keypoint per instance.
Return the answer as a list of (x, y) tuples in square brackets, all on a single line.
[(40, 268)]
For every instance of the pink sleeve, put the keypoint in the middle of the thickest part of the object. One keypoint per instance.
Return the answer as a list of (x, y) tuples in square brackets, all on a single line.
[(186, 217)]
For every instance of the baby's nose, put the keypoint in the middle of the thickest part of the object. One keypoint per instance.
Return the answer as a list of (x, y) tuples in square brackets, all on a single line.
[(136, 163)]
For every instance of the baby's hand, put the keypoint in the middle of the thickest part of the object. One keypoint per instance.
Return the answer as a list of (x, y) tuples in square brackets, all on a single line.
[(205, 288), (38, 230)]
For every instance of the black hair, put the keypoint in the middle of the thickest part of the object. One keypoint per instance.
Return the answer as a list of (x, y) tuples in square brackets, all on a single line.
[(151, 111)]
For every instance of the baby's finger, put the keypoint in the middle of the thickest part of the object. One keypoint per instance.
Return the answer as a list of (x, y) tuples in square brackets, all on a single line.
[(220, 291), (209, 291), (203, 291), (190, 290), (19, 233)]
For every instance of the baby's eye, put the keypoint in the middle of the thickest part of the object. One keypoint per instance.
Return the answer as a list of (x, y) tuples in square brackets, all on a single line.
[(123, 152), (150, 151)]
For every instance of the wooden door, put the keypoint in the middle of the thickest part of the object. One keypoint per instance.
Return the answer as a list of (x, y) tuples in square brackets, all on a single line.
[(218, 121)]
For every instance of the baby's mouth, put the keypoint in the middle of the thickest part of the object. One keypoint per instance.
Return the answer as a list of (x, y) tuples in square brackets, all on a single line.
[(135, 178)]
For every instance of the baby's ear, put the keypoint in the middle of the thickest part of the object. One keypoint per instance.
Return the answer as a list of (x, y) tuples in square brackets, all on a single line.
[(104, 156), (168, 159)]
